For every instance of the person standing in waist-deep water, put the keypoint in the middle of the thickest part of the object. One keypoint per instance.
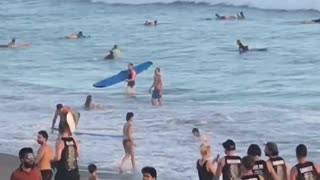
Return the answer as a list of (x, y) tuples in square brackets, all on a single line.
[(304, 170), (131, 79), (66, 158), (27, 169), (247, 164), (128, 143), (261, 167), (279, 165), (62, 111), (230, 165), (157, 86), (149, 173), (206, 166), (44, 156)]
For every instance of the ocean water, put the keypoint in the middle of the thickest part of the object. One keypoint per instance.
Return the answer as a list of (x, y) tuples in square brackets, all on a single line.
[(251, 98)]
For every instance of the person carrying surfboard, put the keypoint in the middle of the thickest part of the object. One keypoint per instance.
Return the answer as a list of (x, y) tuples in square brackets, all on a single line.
[(131, 79), (62, 111), (67, 155)]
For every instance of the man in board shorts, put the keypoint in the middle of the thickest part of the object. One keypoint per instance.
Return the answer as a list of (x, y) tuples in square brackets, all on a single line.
[(157, 86)]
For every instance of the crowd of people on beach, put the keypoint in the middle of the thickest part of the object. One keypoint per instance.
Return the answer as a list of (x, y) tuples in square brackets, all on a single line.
[(63, 160)]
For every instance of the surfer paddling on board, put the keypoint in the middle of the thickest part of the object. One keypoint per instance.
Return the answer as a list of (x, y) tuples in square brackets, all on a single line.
[(314, 21), (62, 111), (239, 16), (149, 23), (203, 138), (128, 144), (243, 48), (12, 44), (157, 87), (131, 79), (76, 36)]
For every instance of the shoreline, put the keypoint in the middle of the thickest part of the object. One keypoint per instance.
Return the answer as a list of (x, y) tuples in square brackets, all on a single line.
[(8, 163)]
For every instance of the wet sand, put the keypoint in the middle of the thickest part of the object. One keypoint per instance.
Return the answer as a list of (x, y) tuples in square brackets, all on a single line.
[(8, 163)]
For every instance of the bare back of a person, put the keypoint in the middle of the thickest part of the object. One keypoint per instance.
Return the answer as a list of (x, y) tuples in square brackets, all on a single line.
[(158, 82), (93, 177)]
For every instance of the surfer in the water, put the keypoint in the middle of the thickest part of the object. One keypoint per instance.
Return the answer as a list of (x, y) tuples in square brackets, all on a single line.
[(239, 16), (243, 49), (157, 87), (154, 23), (88, 105), (116, 51), (314, 21), (12, 44), (128, 143), (131, 79), (62, 112), (110, 55), (76, 36)]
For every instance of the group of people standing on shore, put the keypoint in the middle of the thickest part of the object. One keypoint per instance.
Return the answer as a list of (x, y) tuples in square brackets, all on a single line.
[(252, 166)]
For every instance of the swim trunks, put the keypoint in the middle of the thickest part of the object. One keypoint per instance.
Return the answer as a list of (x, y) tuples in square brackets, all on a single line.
[(156, 94), (131, 84)]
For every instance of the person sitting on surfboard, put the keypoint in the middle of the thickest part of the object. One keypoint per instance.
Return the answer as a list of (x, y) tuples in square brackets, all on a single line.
[(237, 17), (76, 36), (131, 79), (110, 55), (88, 105), (116, 51), (62, 112)]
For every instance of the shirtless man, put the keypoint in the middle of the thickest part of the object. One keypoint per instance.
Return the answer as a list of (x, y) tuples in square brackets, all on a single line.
[(127, 142), (62, 112), (202, 138), (157, 88), (44, 156)]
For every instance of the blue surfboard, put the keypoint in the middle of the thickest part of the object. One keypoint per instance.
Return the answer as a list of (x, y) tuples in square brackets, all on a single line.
[(121, 76)]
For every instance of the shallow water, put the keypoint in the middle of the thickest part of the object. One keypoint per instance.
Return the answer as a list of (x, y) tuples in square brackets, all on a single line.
[(251, 98)]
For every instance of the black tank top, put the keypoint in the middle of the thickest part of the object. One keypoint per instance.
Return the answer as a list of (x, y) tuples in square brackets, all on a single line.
[(251, 177), (203, 173), (306, 171), (279, 166), (260, 168), (231, 169), (68, 161)]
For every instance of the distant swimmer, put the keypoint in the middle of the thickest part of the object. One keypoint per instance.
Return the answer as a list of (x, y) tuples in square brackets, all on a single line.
[(304, 170), (13, 44), (76, 36), (157, 87), (230, 165), (149, 23), (314, 21), (239, 16), (201, 137), (62, 111), (276, 162), (116, 51), (243, 49), (110, 55), (88, 105), (131, 79), (128, 142)]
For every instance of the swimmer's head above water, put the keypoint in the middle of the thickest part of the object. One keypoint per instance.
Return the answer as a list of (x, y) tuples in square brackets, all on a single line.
[(88, 102), (196, 132)]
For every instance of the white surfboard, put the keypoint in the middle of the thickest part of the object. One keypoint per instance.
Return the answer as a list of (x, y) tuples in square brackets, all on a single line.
[(72, 123)]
